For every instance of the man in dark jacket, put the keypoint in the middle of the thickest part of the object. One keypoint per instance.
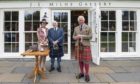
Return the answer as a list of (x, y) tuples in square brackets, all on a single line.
[(55, 37)]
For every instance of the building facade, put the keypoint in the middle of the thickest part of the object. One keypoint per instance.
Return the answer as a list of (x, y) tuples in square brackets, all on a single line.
[(115, 25)]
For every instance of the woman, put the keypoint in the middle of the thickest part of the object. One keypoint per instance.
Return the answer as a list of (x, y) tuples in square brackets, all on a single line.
[(42, 33)]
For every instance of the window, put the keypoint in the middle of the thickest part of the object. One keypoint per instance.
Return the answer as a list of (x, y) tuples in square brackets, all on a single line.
[(129, 27), (108, 31), (32, 19), (11, 34)]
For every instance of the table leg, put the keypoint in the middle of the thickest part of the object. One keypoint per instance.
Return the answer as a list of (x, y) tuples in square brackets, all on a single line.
[(36, 68)]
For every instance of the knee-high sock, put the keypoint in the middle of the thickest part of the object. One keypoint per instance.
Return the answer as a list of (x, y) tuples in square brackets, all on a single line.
[(81, 64), (87, 69)]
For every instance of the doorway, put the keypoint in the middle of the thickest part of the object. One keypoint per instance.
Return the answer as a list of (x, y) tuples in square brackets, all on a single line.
[(74, 23)]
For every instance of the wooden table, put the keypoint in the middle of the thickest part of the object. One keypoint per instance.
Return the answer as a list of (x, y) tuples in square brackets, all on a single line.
[(36, 69)]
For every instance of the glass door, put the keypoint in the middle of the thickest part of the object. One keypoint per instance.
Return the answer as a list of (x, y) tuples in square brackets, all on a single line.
[(63, 19)]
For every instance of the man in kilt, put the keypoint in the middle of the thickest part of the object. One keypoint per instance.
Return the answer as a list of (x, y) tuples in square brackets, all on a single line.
[(55, 38), (83, 35)]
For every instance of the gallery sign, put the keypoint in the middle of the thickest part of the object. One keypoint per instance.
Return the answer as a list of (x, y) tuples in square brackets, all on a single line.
[(72, 4)]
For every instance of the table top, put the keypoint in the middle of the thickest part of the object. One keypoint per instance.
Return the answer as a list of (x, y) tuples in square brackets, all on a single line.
[(36, 53)]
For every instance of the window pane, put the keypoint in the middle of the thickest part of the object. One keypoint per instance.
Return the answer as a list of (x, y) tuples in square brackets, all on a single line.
[(132, 15), (64, 26), (36, 15), (15, 37), (125, 26), (15, 16), (15, 47), (112, 26), (65, 48), (111, 37), (125, 47), (65, 38), (28, 16), (112, 15), (132, 47), (7, 47), (104, 15), (104, 26), (104, 36), (132, 36), (111, 47), (57, 16), (7, 16), (64, 17), (28, 37), (28, 26), (35, 26), (125, 15), (133, 26), (27, 45), (7, 26), (7, 37), (14, 26), (35, 37), (124, 36), (103, 47)]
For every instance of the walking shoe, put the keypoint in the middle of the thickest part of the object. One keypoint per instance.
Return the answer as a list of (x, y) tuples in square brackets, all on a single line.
[(59, 69), (80, 75), (52, 68), (87, 78)]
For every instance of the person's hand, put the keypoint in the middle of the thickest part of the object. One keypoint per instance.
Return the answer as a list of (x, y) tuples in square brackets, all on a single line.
[(77, 37), (55, 42)]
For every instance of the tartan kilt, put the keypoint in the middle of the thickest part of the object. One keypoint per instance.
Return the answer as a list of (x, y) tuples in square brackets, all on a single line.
[(83, 54)]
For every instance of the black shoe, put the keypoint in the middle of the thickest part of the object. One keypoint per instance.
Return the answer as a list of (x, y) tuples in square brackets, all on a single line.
[(80, 76), (87, 78), (59, 69), (52, 68)]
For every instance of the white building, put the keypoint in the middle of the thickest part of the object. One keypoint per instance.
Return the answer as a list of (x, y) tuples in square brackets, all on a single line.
[(115, 25)]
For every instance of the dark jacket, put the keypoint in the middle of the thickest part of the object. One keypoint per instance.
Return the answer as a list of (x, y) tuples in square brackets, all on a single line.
[(54, 35)]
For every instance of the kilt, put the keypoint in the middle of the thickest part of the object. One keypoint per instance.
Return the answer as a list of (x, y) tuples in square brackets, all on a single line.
[(56, 53), (83, 54)]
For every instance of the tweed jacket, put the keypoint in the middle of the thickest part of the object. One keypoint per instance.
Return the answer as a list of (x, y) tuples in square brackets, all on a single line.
[(86, 32)]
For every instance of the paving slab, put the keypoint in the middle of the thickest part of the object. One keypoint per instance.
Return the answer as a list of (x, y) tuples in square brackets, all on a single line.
[(89, 83), (12, 83), (100, 70), (126, 77), (118, 69), (104, 78), (7, 64), (126, 83), (22, 70), (132, 69), (61, 83), (60, 78), (123, 63), (6, 69), (8, 77)]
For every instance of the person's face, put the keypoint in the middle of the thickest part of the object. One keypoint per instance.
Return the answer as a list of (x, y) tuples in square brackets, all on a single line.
[(55, 24), (81, 21), (43, 24)]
